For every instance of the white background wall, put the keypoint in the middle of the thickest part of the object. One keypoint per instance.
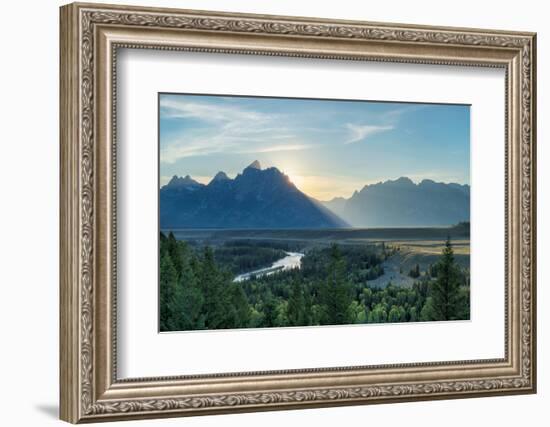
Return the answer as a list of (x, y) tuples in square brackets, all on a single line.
[(29, 170)]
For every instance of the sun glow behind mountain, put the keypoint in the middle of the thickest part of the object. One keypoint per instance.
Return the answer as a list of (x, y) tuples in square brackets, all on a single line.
[(327, 187), (259, 197), (320, 187), (327, 148)]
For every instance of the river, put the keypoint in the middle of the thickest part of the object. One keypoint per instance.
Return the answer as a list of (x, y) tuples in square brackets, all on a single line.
[(290, 261)]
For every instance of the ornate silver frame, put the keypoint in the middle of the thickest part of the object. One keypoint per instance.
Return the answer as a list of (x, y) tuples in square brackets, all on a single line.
[(90, 36)]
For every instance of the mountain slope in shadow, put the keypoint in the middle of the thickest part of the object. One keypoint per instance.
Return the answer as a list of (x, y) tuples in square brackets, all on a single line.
[(255, 198)]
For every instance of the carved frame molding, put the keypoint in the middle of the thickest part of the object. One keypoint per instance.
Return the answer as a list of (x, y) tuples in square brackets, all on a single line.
[(90, 36)]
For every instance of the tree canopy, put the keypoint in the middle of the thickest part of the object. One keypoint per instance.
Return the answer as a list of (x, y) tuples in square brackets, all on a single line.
[(197, 290)]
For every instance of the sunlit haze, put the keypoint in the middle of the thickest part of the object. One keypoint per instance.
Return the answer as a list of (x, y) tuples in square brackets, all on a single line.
[(327, 148)]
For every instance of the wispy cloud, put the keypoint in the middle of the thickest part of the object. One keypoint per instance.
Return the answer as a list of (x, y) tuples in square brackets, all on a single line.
[(387, 121), (358, 133), (221, 143), (229, 129), (327, 148), (178, 149), (395, 114), (277, 148), (174, 108)]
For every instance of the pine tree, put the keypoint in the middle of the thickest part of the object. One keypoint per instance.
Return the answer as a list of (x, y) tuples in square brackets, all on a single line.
[(181, 299), (239, 307), (378, 314), (308, 305), (296, 304), (394, 315), (190, 299), (444, 301), (174, 249), (216, 296), (269, 310), (338, 295), (168, 291)]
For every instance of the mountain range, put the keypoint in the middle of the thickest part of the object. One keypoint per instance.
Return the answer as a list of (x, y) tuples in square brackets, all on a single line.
[(402, 203), (266, 198), (255, 198)]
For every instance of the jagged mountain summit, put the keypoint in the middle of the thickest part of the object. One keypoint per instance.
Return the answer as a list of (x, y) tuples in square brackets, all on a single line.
[(186, 182), (219, 177), (255, 165), (255, 198), (402, 203)]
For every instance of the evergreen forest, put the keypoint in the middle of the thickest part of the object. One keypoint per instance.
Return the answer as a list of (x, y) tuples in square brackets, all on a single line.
[(198, 290)]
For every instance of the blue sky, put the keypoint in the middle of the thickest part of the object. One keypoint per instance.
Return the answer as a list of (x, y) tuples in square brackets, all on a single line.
[(328, 148)]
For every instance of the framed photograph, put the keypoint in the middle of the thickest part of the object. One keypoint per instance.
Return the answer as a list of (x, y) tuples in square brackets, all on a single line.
[(265, 212)]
